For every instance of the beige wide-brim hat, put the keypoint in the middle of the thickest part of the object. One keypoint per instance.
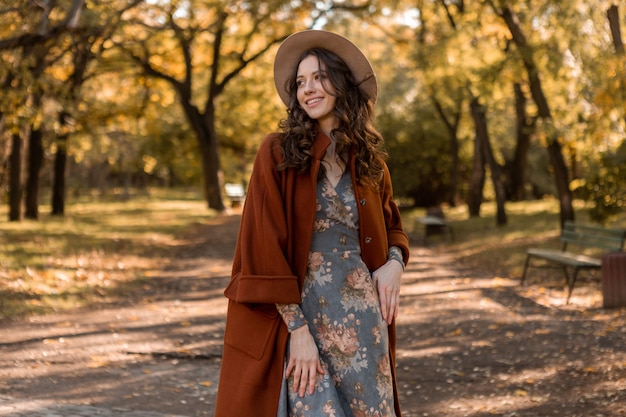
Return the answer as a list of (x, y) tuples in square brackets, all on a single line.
[(295, 45)]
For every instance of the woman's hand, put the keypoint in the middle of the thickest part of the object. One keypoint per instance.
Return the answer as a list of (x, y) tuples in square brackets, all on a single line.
[(387, 281), (304, 361)]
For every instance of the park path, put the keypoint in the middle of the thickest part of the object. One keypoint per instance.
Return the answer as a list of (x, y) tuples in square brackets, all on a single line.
[(468, 345)]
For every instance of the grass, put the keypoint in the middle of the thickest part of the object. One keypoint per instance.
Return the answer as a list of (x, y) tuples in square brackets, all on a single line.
[(103, 249), (100, 250)]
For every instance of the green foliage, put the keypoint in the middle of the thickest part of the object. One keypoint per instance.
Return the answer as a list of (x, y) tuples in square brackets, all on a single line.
[(606, 188), (419, 156)]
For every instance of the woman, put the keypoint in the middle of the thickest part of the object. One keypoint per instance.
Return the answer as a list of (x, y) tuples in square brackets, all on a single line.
[(316, 274)]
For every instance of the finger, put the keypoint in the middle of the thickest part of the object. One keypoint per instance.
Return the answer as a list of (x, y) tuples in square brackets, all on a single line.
[(289, 370), (391, 306), (393, 310), (312, 380), (388, 304), (296, 380), (303, 383), (320, 368), (383, 305)]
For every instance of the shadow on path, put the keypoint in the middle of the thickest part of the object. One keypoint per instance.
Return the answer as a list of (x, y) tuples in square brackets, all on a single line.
[(468, 345)]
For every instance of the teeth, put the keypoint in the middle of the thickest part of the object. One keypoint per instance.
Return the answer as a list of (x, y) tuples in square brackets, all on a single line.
[(315, 100)]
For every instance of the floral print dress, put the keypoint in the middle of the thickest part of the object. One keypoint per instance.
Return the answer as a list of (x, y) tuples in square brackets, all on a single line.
[(341, 307)]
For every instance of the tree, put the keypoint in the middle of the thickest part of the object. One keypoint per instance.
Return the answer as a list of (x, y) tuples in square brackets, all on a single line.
[(477, 84), (48, 64), (198, 49), (557, 161), (525, 128), (484, 145)]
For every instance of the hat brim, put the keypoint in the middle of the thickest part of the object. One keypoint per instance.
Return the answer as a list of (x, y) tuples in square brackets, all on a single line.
[(296, 44)]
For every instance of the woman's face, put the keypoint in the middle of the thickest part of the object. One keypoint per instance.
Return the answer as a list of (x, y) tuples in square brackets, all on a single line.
[(315, 92)]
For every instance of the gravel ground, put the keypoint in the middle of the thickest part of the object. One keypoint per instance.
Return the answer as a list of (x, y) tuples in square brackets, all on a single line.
[(469, 345)]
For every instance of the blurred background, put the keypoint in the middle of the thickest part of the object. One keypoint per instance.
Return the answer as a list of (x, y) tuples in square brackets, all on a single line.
[(479, 100)]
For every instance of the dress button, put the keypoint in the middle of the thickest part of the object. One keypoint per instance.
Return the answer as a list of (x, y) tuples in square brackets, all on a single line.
[(368, 239)]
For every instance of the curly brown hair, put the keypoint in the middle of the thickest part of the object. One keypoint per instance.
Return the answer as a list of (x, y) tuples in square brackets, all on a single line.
[(354, 110)]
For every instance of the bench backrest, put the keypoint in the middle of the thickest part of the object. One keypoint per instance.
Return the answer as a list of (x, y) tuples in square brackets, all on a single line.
[(234, 190), (593, 236)]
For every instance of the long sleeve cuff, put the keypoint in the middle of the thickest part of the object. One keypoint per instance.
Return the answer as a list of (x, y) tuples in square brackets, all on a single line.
[(292, 316), (396, 254)]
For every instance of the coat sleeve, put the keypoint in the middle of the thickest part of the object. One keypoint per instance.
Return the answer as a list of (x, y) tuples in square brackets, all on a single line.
[(261, 272), (393, 221)]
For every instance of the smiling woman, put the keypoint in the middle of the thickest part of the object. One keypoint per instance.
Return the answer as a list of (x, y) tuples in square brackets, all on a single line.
[(315, 284), (315, 94)]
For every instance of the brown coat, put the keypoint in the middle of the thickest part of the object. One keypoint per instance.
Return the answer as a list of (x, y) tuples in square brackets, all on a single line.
[(269, 267)]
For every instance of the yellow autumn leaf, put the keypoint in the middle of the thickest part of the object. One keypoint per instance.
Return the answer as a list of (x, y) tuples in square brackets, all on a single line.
[(206, 383), (98, 362), (521, 393), (456, 332)]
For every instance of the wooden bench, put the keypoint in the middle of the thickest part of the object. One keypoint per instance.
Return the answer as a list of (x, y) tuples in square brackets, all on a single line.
[(433, 225), (235, 193), (601, 239)]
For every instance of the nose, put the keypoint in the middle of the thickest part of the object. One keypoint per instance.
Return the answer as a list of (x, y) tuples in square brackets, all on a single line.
[(309, 86)]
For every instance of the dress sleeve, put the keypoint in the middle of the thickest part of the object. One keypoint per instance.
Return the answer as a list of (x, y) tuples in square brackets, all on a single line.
[(292, 316), (395, 253)]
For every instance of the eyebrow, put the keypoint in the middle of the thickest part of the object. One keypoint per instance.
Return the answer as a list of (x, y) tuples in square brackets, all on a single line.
[(314, 73), (317, 72)]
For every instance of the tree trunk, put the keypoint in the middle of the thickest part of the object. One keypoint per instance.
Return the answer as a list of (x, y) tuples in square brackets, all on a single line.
[(616, 33), (35, 163), (557, 160), (15, 179), (204, 128), (452, 127), (212, 171), (482, 135), (477, 180), (58, 185), (517, 172), (60, 163)]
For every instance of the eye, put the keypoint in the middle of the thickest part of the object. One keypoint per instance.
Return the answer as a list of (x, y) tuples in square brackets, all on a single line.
[(300, 83)]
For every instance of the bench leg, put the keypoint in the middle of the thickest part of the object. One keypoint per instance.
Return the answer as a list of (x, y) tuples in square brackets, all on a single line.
[(571, 285), (525, 268), (567, 280)]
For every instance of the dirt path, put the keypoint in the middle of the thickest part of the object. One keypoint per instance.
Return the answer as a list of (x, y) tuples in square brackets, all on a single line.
[(469, 344)]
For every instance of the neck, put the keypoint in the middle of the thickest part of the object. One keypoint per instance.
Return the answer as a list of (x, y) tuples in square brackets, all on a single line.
[(327, 127), (331, 151)]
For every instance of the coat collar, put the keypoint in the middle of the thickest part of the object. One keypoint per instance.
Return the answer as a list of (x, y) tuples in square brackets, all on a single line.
[(322, 142)]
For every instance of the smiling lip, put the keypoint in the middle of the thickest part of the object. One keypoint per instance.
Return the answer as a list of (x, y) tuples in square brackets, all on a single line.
[(313, 101)]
